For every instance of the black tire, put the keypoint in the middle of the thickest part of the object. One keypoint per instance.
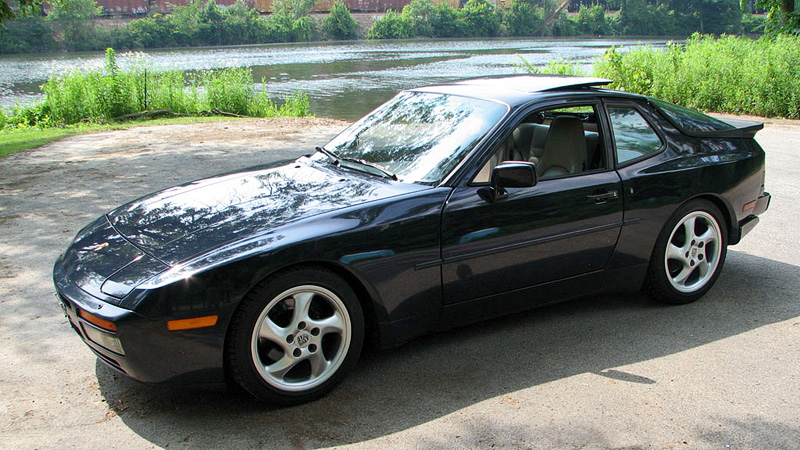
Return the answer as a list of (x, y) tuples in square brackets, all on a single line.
[(295, 336), (689, 254)]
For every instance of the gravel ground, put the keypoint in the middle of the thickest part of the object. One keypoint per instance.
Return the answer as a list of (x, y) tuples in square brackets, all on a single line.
[(610, 372)]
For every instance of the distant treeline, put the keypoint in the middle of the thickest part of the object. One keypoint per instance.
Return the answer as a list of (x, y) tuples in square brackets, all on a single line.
[(72, 26)]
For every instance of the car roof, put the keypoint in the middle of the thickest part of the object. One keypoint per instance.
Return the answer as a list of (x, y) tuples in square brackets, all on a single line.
[(519, 89)]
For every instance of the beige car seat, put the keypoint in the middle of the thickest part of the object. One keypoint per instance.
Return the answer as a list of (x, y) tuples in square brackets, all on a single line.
[(564, 149)]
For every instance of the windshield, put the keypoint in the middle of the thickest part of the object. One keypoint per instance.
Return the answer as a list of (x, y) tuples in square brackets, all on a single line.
[(419, 137)]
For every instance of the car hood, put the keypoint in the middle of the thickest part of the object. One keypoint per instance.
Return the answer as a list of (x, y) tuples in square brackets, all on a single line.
[(179, 223)]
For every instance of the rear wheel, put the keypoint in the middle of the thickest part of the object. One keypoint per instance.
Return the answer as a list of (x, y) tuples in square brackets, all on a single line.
[(295, 336), (689, 254)]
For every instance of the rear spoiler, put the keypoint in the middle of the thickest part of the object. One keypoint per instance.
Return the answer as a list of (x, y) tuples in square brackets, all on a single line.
[(714, 127), (742, 129)]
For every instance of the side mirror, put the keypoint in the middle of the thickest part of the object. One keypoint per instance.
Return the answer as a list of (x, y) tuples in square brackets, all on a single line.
[(511, 174)]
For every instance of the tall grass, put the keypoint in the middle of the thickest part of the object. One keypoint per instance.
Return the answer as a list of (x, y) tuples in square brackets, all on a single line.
[(106, 94), (726, 74)]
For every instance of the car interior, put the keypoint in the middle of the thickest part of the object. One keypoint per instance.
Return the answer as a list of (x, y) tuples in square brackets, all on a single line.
[(560, 141)]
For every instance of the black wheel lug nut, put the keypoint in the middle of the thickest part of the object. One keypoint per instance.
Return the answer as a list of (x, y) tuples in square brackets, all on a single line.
[(297, 352), (290, 338)]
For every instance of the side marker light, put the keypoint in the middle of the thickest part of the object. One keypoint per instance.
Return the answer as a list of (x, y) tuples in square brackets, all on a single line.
[(188, 324)]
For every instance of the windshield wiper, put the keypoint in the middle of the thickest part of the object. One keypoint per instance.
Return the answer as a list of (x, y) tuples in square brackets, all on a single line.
[(329, 154), (372, 165), (339, 159)]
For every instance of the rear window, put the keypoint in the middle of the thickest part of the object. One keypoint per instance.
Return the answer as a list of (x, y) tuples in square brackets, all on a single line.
[(689, 120)]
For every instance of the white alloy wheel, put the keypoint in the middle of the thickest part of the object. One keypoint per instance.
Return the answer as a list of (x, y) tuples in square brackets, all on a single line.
[(689, 253), (694, 250), (301, 338)]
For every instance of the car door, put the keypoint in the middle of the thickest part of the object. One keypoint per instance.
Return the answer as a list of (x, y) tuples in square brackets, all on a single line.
[(563, 228)]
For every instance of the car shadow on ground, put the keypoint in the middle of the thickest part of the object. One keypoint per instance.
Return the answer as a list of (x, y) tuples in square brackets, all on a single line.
[(439, 374)]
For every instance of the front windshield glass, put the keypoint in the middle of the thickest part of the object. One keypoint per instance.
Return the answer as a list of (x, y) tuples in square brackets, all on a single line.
[(420, 137)]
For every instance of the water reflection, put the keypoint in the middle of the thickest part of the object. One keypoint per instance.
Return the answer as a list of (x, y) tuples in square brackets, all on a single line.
[(343, 80)]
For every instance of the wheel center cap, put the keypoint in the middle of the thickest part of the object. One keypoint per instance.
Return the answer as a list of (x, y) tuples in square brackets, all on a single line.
[(694, 252), (302, 339)]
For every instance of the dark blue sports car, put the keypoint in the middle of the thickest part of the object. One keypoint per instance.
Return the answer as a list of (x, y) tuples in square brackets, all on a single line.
[(447, 205)]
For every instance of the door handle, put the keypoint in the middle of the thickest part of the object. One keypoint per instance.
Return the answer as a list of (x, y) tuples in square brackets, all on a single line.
[(603, 197)]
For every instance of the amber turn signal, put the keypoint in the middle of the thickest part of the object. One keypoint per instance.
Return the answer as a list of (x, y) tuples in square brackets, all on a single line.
[(96, 321), (188, 324)]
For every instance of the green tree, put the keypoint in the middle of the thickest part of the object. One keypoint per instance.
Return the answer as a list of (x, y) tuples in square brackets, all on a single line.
[(593, 20), (24, 8), (783, 18), (719, 16), (391, 26), (26, 35), (74, 21), (445, 22), (522, 18), (480, 18), (289, 21), (418, 13), (340, 24)]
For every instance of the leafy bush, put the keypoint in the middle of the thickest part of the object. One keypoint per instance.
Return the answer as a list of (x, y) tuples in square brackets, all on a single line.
[(753, 24), (522, 18), (289, 21), (340, 24), (418, 13), (719, 16), (27, 35), (480, 18), (641, 18), (445, 21), (72, 19), (593, 21), (391, 26)]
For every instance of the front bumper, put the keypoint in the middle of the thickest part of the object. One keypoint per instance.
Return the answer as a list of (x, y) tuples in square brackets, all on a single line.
[(147, 351)]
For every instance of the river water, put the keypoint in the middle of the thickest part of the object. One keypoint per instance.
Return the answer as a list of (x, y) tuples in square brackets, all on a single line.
[(343, 80)]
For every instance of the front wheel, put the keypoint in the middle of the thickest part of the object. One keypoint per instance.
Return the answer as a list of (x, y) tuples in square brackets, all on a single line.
[(689, 254), (295, 336)]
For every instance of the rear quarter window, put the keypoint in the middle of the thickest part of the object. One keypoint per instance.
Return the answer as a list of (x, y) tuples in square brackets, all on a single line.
[(633, 136), (688, 120)]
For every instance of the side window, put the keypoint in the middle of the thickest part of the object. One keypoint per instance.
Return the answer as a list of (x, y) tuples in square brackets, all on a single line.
[(634, 137), (561, 141)]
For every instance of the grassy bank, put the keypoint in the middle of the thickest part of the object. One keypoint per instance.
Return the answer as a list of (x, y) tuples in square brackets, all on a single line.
[(727, 74), (98, 100), (109, 94)]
